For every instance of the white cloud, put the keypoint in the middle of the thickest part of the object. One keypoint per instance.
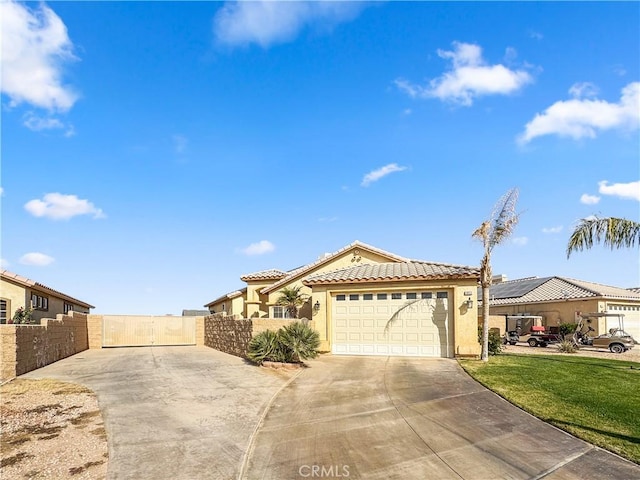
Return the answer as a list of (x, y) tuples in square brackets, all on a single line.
[(579, 118), (267, 22), (36, 123), (469, 78), (35, 45), (62, 207), (259, 248), (520, 241), (583, 90), (180, 144), (1, 192), (589, 199), (36, 259), (376, 175), (629, 190), (4, 263), (557, 229), (535, 35), (327, 219)]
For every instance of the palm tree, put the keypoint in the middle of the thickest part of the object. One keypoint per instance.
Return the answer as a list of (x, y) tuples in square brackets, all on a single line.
[(612, 232), (493, 232), (292, 300)]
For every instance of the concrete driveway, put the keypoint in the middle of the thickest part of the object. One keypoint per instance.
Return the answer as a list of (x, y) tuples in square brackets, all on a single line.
[(398, 418), (172, 412)]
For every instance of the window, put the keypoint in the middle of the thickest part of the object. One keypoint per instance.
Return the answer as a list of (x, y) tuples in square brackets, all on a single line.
[(367, 296), (382, 296), (68, 307), (341, 298), (426, 295), (39, 302), (412, 296), (442, 295), (3, 311), (280, 312), (354, 296), (396, 296)]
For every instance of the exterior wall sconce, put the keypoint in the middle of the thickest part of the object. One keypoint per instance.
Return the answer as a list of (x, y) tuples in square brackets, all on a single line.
[(469, 303), (316, 306)]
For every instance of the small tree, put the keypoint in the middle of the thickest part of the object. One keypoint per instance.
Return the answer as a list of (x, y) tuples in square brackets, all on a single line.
[(493, 232), (612, 232), (291, 299)]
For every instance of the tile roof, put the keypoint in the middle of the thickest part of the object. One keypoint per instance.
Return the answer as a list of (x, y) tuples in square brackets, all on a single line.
[(271, 274), (531, 290), (228, 296), (27, 282), (384, 272), (326, 259)]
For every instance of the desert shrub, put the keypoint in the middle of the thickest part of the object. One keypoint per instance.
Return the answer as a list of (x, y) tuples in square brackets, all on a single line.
[(567, 346), (292, 343), (302, 340)]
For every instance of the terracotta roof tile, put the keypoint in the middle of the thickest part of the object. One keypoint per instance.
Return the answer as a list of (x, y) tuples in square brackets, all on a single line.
[(271, 274), (393, 271), (27, 282), (327, 258), (228, 296)]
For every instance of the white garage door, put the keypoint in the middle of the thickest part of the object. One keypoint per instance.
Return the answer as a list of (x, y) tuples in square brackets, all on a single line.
[(421, 329), (631, 319)]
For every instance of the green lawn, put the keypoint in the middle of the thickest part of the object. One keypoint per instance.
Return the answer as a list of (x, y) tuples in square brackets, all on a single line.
[(594, 399)]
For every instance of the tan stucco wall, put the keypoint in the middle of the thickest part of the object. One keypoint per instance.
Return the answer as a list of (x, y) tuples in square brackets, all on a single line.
[(233, 306), (15, 295), (20, 296), (463, 320)]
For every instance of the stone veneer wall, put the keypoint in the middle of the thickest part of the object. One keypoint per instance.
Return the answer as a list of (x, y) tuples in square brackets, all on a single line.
[(28, 347), (231, 335)]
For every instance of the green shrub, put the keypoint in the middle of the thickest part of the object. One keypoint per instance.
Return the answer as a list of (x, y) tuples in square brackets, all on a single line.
[(567, 329), (290, 344), (22, 315), (495, 341)]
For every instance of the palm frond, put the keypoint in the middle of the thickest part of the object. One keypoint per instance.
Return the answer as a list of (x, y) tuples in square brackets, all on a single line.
[(612, 232)]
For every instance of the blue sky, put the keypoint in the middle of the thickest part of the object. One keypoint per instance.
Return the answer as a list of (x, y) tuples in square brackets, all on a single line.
[(154, 152)]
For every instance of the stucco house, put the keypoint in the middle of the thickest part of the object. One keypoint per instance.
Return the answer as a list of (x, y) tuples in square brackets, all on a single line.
[(560, 300), (21, 292), (355, 291)]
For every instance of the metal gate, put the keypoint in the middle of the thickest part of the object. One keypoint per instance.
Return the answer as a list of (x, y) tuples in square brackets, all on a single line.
[(146, 331)]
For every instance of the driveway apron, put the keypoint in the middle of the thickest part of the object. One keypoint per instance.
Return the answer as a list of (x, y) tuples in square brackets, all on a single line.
[(399, 418), (172, 412)]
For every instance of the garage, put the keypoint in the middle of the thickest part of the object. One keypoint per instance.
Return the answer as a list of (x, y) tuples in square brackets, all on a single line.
[(631, 319), (421, 328)]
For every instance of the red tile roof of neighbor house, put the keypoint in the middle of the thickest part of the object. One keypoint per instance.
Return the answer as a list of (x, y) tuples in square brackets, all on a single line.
[(531, 290), (394, 271), (291, 275), (27, 282), (271, 274)]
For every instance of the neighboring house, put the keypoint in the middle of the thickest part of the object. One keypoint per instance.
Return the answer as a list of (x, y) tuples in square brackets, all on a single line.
[(355, 291), (20, 292), (560, 300)]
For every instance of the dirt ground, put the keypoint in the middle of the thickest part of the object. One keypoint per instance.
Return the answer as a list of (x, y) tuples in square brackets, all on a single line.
[(51, 430)]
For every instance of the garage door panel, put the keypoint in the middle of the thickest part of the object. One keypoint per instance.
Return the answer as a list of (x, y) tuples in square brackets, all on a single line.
[(419, 329)]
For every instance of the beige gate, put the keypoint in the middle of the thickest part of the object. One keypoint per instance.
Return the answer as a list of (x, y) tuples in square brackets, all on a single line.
[(145, 331)]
